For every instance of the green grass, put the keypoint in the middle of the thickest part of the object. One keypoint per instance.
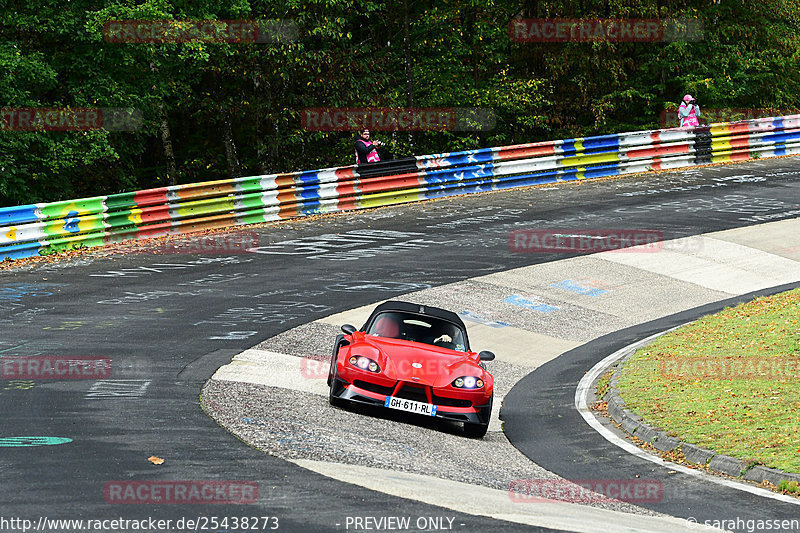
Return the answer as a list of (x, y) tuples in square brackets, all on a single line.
[(792, 487), (729, 382), (603, 384)]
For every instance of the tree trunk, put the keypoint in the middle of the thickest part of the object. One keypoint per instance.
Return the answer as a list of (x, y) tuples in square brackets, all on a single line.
[(166, 143), (166, 137), (261, 153), (234, 171)]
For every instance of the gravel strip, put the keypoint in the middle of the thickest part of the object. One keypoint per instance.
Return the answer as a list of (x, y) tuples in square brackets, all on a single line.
[(309, 340), (295, 425)]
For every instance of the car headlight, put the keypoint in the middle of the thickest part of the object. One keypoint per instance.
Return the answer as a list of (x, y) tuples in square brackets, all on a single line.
[(468, 382), (364, 363)]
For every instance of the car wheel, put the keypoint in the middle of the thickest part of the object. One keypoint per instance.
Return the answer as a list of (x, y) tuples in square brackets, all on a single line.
[(336, 346), (478, 431), (335, 388), (475, 431), (338, 343)]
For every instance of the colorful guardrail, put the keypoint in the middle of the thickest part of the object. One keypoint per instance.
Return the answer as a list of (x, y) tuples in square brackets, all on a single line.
[(41, 229)]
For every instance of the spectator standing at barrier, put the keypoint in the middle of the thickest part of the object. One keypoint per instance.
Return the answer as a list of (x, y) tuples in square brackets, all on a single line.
[(689, 112), (366, 150)]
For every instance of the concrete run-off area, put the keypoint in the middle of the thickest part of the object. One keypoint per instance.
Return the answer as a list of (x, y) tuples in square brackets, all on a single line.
[(273, 396)]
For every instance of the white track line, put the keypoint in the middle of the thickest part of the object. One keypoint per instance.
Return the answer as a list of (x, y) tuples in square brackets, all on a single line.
[(582, 405), (494, 503)]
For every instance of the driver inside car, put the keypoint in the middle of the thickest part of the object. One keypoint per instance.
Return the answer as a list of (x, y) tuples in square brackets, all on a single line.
[(447, 338), (388, 327)]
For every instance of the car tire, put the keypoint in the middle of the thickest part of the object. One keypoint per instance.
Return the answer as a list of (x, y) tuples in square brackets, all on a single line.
[(478, 431), (335, 387), (336, 345), (475, 431)]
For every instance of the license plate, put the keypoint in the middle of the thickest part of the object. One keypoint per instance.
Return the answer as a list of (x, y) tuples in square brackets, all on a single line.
[(410, 405)]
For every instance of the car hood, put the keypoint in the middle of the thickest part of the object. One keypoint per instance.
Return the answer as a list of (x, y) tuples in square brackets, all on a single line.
[(418, 363)]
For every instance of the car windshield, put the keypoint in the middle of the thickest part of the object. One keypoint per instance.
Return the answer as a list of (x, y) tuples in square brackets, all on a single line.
[(419, 328)]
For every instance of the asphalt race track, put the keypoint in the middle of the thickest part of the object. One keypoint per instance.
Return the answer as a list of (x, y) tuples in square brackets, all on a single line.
[(560, 441), (167, 320)]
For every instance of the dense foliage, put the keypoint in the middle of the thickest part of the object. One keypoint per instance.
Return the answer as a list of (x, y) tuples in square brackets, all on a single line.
[(216, 110)]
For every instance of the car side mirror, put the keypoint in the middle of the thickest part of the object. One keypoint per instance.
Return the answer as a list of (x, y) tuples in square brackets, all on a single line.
[(347, 328), (486, 355)]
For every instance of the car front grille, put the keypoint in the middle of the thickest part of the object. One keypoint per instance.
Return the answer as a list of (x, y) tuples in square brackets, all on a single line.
[(378, 389), (451, 402), (412, 392)]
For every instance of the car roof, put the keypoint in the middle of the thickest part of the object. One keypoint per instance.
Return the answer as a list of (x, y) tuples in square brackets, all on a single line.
[(408, 307)]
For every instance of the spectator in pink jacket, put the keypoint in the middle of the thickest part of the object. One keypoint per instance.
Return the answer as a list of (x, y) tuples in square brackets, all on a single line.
[(366, 150), (689, 112)]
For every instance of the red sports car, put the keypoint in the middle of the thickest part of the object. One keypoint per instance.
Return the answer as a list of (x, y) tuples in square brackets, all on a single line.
[(417, 359)]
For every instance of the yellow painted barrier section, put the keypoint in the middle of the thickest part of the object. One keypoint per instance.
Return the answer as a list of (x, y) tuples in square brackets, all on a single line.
[(590, 159), (204, 207), (391, 198)]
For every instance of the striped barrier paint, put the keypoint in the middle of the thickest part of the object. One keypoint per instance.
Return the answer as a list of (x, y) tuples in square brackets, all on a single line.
[(21, 214), (40, 229)]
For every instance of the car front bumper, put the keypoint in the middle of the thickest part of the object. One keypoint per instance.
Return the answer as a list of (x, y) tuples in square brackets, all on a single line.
[(352, 393)]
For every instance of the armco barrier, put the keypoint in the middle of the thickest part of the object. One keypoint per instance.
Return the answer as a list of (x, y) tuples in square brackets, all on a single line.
[(40, 229)]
